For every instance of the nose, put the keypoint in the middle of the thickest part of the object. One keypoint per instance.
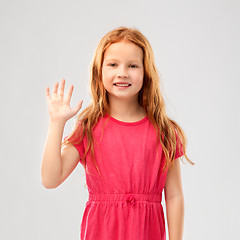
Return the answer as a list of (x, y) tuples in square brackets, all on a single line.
[(122, 72)]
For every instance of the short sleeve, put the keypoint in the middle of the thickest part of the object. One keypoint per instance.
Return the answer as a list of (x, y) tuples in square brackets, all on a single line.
[(80, 148), (177, 155)]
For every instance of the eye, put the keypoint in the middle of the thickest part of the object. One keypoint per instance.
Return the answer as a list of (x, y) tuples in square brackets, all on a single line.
[(112, 64), (133, 66)]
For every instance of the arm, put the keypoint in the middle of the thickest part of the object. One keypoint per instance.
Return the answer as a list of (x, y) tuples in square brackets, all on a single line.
[(174, 202), (56, 164)]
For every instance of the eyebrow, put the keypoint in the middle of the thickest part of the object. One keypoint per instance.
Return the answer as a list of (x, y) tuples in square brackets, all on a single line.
[(117, 60)]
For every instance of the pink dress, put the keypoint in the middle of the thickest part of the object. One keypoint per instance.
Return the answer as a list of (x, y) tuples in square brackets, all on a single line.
[(125, 202)]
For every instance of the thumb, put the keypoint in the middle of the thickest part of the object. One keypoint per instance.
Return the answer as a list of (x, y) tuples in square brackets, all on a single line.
[(78, 107)]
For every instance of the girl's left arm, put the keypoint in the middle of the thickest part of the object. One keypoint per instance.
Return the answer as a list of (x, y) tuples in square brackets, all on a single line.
[(174, 200)]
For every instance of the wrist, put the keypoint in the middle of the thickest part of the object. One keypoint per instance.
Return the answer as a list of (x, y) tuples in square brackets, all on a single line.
[(57, 123)]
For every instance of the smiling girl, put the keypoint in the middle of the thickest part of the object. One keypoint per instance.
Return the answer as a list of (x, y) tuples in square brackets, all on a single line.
[(129, 147)]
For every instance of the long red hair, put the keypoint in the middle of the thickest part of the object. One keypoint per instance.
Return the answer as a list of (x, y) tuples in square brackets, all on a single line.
[(150, 98)]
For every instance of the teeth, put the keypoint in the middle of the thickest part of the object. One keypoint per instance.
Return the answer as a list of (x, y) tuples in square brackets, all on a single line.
[(122, 85)]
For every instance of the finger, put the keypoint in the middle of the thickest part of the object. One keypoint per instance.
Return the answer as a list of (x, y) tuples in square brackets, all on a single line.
[(69, 94), (55, 88), (47, 93), (61, 88), (77, 107)]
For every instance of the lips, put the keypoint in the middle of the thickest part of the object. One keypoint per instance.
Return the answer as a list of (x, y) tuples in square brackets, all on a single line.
[(125, 83)]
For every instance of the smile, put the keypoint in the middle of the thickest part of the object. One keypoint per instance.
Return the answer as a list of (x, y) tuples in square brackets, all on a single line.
[(121, 85)]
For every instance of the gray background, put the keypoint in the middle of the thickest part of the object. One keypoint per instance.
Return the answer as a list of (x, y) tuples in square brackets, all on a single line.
[(196, 46)]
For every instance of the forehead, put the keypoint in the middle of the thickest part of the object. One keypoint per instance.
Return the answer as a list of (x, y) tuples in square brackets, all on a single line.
[(123, 50)]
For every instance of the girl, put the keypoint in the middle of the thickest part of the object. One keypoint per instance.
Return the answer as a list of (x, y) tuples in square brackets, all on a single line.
[(125, 141)]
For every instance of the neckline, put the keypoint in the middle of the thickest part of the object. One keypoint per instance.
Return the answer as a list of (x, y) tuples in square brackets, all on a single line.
[(127, 123)]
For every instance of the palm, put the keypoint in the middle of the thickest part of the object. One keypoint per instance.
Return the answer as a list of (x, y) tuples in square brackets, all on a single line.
[(59, 106)]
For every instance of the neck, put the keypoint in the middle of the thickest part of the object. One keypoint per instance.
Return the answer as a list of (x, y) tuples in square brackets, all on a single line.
[(126, 109)]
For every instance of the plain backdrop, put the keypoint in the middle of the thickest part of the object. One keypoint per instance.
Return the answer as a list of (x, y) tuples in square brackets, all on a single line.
[(196, 47)]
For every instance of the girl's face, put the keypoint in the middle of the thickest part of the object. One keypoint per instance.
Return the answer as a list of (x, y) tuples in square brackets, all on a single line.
[(123, 64)]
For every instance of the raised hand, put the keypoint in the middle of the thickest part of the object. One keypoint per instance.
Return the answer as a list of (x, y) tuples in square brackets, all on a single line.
[(59, 107)]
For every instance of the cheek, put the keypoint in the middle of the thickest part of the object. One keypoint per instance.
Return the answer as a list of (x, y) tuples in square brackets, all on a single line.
[(138, 76), (106, 78)]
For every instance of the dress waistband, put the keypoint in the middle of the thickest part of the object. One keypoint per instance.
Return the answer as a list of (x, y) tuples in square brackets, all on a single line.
[(130, 198)]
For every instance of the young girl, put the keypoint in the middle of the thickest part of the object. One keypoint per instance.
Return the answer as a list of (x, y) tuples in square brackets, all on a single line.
[(128, 146)]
